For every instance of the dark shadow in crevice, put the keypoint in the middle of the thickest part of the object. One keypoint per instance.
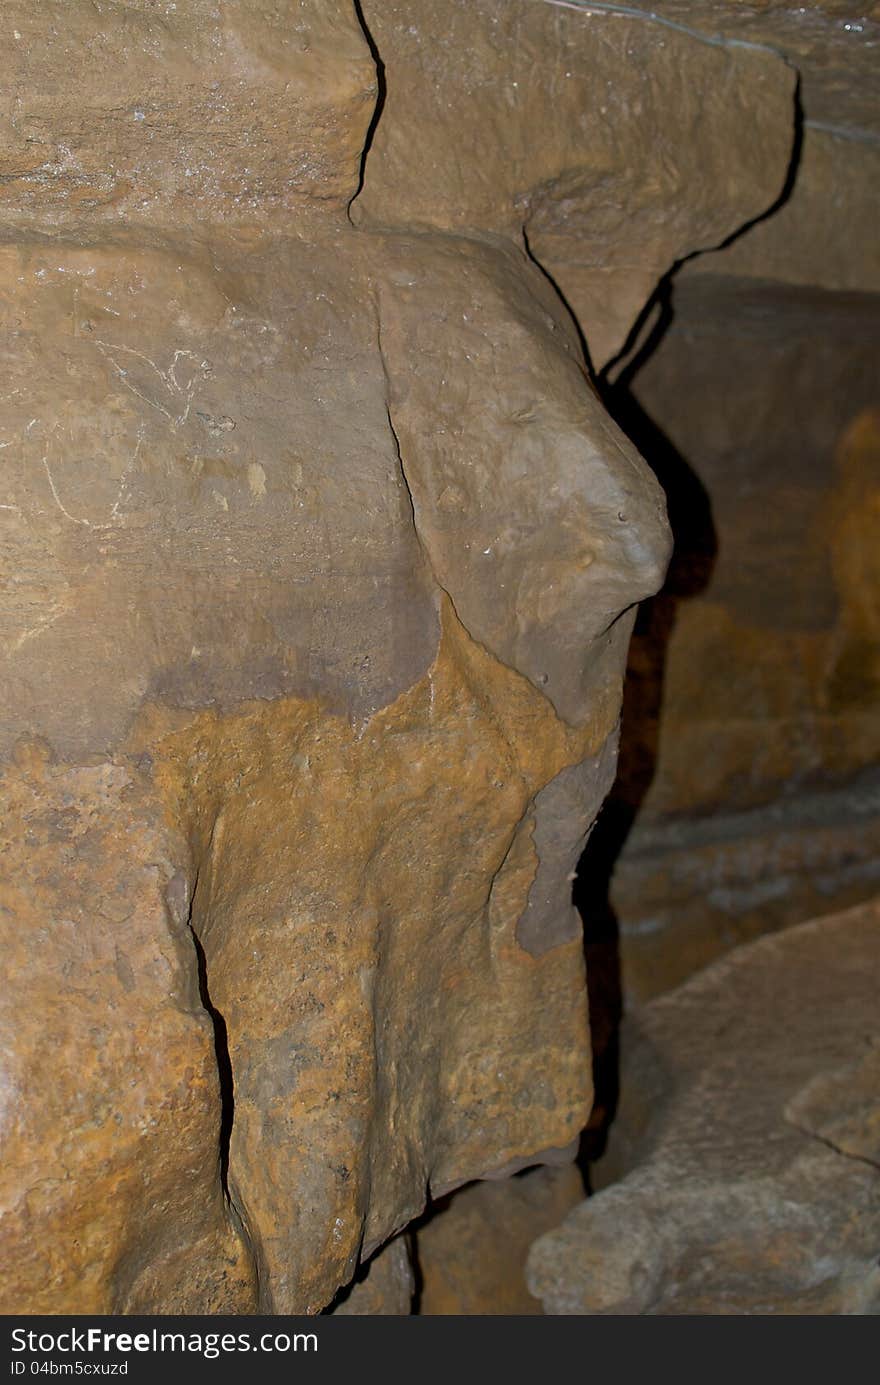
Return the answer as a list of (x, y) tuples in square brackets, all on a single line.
[(434, 1207), (797, 146), (415, 1258), (582, 341), (342, 1295), (224, 1062), (693, 558), (381, 93), (662, 294)]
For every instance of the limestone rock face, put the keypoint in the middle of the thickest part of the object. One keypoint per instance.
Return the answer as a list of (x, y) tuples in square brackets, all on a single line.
[(753, 390), (833, 49), (745, 1150), (320, 560), (370, 1004), (824, 235), (616, 147), (148, 111), (109, 1186)]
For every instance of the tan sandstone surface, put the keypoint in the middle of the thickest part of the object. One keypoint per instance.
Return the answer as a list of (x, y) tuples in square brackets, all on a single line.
[(320, 562)]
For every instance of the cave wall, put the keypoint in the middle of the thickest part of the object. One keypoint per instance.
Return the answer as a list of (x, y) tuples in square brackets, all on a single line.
[(749, 767), (747, 796), (322, 553)]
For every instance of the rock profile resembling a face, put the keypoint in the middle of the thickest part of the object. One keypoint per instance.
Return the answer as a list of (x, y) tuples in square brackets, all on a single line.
[(321, 556), (539, 518)]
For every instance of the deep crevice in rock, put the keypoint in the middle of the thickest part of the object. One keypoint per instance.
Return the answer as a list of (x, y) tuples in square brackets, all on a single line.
[(835, 1148), (221, 1051), (640, 345), (381, 90)]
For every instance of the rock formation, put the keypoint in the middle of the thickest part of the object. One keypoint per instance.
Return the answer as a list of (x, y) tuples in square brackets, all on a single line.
[(472, 1250), (321, 557), (746, 1148), (756, 783), (385, 1286)]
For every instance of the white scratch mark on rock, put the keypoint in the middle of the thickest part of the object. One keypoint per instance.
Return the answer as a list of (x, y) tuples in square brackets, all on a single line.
[(57, 498), (114, 512), (168, 377)]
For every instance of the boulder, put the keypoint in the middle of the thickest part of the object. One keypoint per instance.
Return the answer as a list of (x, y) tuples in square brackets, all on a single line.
[(742, 1173)]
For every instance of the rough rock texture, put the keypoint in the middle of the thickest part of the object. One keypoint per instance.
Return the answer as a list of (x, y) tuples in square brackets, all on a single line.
[(755, 781), (746, 1146), (109, 1187), (614, 147), (750, 735), (825, 234), (320, 560), (472, 1252), (370, 1006), (832, 44), (182, 112)]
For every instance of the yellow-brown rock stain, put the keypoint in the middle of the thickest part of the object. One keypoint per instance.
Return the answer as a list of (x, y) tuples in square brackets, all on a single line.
[(356, 890)]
